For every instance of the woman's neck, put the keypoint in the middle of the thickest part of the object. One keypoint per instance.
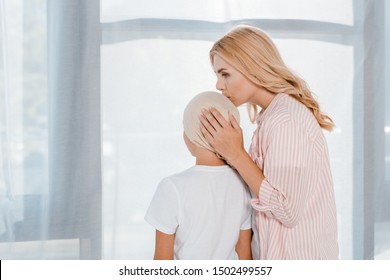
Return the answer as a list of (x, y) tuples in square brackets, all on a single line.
[(263, 98)]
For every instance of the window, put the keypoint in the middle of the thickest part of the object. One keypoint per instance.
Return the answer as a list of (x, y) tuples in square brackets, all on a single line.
[(155, 59)]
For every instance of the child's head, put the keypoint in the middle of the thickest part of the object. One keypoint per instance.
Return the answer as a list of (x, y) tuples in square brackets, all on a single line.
[(205, 100)]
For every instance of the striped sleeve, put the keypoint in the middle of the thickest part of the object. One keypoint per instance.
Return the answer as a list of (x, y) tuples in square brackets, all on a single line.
[(288, 170)]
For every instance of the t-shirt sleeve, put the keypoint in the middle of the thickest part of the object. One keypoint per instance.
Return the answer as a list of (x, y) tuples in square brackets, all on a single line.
[(164, 211), (247, 217)]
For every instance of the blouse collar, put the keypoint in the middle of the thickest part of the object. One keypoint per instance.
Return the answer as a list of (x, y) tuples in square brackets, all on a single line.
[(263, 113)]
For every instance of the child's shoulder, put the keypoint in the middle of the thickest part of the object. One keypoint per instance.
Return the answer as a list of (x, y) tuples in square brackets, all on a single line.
[(170, 179)]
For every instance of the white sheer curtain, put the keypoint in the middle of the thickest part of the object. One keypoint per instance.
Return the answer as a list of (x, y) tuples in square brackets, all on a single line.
[(23, 126), (50, 130), (66, 103)]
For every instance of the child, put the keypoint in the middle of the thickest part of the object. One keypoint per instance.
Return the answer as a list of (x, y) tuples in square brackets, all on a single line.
[(203, 212)]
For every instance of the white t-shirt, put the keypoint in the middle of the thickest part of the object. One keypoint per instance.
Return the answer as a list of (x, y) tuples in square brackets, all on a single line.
[(206, 206)]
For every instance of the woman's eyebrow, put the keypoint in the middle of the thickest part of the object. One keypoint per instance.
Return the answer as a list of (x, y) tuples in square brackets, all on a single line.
[(220, 70)]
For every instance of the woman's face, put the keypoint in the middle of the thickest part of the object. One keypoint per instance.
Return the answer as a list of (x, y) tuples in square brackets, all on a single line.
[(234, 85)]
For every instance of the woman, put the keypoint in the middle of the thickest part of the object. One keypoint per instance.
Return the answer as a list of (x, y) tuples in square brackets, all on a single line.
[(287, 168)]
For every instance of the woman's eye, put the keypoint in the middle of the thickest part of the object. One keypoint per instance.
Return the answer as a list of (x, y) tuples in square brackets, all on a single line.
[(225, 75)]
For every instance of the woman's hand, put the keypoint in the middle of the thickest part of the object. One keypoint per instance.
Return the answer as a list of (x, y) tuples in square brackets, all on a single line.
[(224, 136)]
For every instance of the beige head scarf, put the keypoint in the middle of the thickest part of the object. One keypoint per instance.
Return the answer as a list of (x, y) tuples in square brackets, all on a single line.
[(205, 100)]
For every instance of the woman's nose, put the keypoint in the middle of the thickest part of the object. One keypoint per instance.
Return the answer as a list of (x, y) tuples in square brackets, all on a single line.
[(219, 85)]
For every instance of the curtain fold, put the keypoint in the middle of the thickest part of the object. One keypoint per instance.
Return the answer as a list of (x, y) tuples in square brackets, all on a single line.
[(6, 177), (74, 124), (374, 123)]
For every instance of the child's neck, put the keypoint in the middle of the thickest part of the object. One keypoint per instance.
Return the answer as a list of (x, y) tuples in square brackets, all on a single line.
[(206, 157)]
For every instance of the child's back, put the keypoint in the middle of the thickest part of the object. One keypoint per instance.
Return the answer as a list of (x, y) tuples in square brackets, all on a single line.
[(206, 206)]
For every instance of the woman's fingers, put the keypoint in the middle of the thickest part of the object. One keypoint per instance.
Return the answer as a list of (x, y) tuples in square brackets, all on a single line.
[(218, 117), (225, 136), (213, 123), (233, 121), (206, 128)]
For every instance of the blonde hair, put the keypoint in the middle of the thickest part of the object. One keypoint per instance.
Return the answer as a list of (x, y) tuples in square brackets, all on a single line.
[(251, 51)]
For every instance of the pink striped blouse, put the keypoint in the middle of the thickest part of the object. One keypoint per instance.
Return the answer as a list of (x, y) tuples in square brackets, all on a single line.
[(295, 210)]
